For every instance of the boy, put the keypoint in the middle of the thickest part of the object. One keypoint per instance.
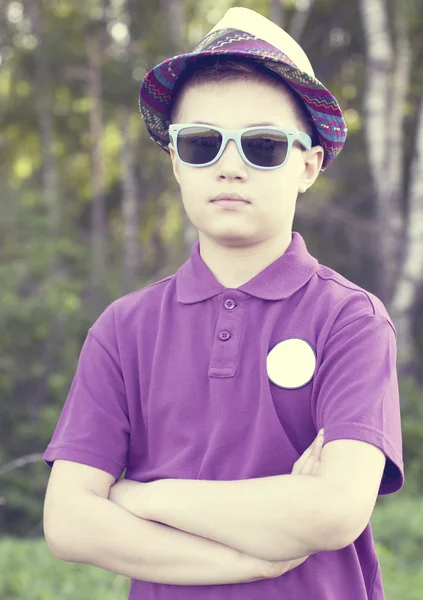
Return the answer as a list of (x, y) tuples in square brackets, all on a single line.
[(209, 384)]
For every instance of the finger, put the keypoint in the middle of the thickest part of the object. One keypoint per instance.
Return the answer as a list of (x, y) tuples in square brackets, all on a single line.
[(317, 447), (316, 467), (302, 460), (307, 466), (318, 437)]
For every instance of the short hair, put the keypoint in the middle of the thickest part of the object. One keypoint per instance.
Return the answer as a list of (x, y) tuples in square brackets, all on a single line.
[(221, 68)]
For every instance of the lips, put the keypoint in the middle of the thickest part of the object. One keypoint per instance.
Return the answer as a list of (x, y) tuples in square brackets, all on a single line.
[(224, 196)]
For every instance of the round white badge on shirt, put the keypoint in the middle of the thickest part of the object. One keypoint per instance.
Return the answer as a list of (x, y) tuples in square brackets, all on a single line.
[(291, 363)]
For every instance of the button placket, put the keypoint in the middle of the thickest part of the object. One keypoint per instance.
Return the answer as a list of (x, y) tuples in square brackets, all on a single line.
[(224, 357), (229, 304)]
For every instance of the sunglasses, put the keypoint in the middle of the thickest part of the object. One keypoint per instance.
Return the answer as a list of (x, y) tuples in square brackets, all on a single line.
[(261, 147)]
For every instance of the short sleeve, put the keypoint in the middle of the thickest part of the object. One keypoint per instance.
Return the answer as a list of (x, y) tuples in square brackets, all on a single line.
[(356, 395), (93, 427)]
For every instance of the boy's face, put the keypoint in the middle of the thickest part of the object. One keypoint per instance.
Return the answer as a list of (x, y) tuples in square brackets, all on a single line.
[(272, 194)]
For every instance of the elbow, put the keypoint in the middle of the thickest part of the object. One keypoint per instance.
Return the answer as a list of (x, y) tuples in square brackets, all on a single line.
[(54, 549), (59, 551), (55, 541), (343, 527), (347, 532), (47, 530), (336, 537), (338, 526)]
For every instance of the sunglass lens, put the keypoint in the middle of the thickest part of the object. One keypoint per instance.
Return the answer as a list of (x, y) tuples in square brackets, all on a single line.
[(265, 147), (198, 145)]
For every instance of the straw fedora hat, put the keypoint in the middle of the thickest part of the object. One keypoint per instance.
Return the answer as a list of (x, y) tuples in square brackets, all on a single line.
[(243, 32)]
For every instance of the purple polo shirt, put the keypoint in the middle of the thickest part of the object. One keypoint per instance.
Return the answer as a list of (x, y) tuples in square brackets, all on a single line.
[(187, 379)]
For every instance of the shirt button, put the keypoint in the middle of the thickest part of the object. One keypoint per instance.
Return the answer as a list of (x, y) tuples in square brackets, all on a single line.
[(229, 303), (224, 335)]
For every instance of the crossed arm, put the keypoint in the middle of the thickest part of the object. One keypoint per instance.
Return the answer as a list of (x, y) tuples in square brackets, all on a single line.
[(273, 518), (276, 518)]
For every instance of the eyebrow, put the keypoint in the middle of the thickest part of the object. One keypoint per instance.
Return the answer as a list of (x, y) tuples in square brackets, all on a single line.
[(250, 125)]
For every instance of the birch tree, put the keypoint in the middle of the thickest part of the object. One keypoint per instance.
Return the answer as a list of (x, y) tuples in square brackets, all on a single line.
[(129, 204), (175, 26), (399, 243), (410, 277), (98, 212), (50, 189)]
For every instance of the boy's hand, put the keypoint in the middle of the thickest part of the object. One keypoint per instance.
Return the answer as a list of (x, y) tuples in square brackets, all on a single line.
[(308, 464)]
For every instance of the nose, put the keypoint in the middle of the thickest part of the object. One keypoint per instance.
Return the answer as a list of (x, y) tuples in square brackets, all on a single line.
[(231, 149), (231, 161)]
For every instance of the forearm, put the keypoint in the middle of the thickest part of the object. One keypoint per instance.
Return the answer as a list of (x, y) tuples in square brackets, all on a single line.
[(97, 532), (274, 518)]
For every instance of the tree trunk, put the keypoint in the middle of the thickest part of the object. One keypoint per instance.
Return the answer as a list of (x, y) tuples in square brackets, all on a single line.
[(44, 97), (51, 197), (98, 214), (395, 147), (376, 110), (401, 244), (130, 212), (174, 14), (299, 21), (277, 13), (411, 275)]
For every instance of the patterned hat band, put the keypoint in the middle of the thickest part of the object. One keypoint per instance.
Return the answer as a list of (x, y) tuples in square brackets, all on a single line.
[(157, 87)]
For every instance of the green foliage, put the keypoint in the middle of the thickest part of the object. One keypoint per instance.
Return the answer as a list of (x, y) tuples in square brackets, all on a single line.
[(29, 570), (404, 583), (411, 394), (397, 524)]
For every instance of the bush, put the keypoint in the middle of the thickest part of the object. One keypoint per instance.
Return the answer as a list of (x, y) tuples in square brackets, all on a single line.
[(30, 571)]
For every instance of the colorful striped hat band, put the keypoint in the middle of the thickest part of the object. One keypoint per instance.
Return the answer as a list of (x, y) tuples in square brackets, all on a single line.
[(244, 33)]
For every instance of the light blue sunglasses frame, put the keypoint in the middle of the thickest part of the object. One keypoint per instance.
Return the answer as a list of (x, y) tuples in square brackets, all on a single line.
[(292, 136)]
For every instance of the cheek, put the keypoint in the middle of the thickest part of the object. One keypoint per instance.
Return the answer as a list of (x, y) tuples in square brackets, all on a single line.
[(194, 192), (188, 175), (195, 183), (278, 185), (281, 195)]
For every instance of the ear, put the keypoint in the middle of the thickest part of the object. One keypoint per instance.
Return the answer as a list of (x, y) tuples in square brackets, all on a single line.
[(313, 160), (175, 162)]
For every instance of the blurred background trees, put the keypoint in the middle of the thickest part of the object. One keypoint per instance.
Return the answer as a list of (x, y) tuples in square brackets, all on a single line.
[(90, 208)]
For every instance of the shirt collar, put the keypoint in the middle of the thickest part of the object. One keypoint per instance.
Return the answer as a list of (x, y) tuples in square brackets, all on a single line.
[(280, 279)]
